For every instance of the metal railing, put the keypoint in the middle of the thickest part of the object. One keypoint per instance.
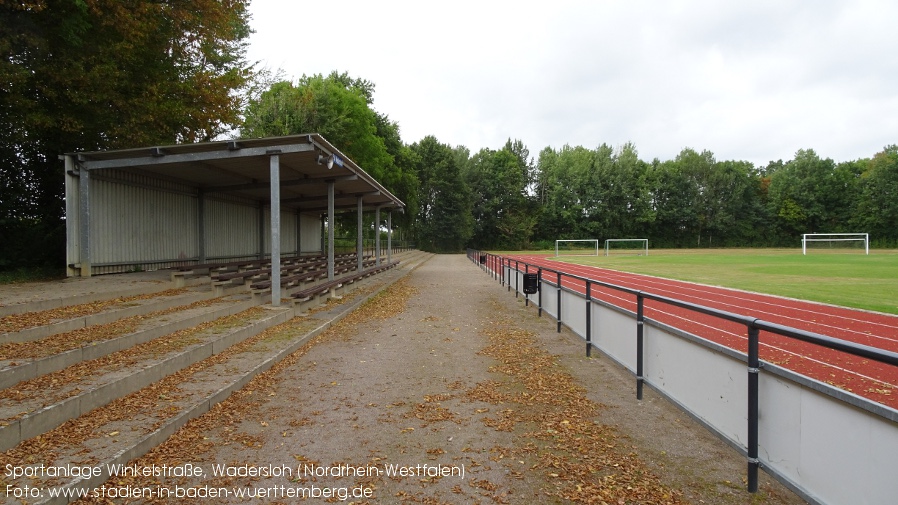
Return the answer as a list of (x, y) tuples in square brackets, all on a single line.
[(501, 269)]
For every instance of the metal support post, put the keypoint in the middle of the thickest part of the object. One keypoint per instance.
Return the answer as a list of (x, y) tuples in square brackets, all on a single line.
[(526, 296), (84, 217), (359, 239), (559, 302), (588, 318), (539, 292), (275, 171), (517, 267), (377, 236), (331, 230), (640, 319), (754, 367), (201, 224)]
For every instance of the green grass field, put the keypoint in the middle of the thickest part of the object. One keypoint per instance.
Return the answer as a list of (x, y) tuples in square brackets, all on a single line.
[(846, 278)]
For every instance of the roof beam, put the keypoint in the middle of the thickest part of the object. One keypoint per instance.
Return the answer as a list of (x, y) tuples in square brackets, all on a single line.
[(158, 157), (284, 184), (316, 199)]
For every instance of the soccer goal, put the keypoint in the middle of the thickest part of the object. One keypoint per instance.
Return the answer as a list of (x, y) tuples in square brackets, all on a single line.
[(638, 246), (577, 247), (835, 241)]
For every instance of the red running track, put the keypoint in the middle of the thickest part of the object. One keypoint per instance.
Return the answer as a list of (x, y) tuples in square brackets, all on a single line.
[(870, 379)]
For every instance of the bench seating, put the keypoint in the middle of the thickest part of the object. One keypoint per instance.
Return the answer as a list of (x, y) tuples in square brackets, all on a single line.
[(228, 272), (311, 297)]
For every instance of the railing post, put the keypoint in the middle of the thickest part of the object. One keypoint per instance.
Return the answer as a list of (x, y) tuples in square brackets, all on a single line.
[(526, 297), (559, 302), (517, 268), (588, 318), (640, 319), (754, 368), (507, 274), (539, 292)]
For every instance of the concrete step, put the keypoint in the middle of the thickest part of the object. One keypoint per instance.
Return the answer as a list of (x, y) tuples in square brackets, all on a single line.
[(23, 366), (33, 297), (127, 308), (71, 397), (131, 426)]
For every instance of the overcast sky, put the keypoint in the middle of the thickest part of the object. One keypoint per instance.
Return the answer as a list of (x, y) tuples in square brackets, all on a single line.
[(748, 80)]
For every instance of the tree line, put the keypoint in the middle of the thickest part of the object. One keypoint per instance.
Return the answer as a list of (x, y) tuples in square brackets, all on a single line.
[(95, 74), (692, 200)]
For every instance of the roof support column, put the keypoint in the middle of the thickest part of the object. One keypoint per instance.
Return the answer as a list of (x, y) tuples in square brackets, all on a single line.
[(84, 211), (323, 234), (377, 236), (389, 236), (275, 169), (201, 224), (298, 233), (359, 241), (330, 230), (261, 231)]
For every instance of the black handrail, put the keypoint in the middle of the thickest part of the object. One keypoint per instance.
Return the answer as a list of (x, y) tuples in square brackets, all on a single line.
[(753, 327)]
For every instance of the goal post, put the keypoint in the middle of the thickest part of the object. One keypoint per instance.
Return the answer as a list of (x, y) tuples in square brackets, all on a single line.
[(835, 238), (638, 246), (577, 247)]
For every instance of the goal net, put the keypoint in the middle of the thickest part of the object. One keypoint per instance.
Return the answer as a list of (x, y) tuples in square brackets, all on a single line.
[(637, 246), (577, 247), (859, 242)]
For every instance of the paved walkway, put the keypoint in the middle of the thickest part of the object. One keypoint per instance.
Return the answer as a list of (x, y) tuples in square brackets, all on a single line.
[(447, 389)]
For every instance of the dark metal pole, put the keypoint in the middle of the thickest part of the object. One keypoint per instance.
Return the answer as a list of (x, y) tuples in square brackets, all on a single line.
[(588, 318), (640, 302), (754, 367), (539, 283), (508, 279), (526, 296), (517, 268), (559, 302)]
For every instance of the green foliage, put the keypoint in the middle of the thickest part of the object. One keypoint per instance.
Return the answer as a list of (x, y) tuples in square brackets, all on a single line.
[(504, 212), (101, 74), (444, 221), (877, 207), (337, 107)]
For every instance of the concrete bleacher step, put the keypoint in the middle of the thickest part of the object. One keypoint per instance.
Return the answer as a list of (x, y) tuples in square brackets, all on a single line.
[(15, 368), (94, 383), (160, 301), (130, 426), (149, 283)]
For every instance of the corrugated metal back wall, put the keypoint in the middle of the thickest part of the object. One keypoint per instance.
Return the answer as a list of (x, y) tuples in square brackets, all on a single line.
[(142, 223)]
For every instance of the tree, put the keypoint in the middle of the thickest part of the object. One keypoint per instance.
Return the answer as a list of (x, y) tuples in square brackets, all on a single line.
[(877, 208), (102, 74), (560, 186), (809, 194), (338, 108), (504, 215), (444, 221), (672, 196), (622, 207)]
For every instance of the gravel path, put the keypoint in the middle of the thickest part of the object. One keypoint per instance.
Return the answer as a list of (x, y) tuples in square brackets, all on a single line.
[(446, 389)]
